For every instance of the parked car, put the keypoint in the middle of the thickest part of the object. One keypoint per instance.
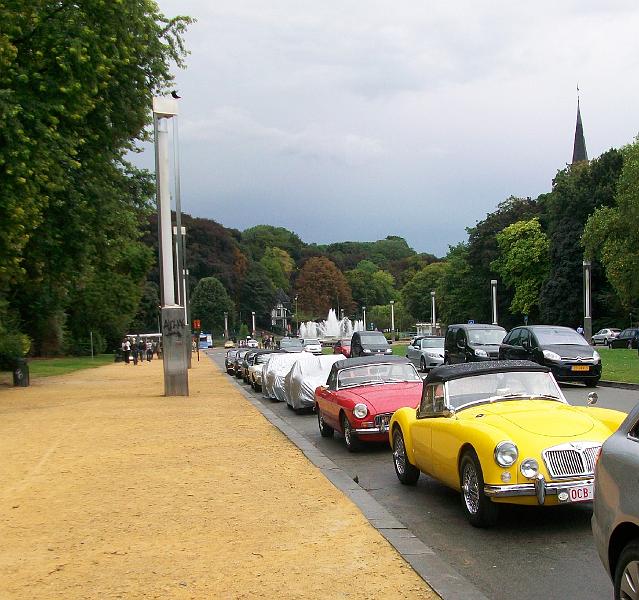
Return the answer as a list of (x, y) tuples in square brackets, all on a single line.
[(361, 395), (367, 343), (229, 344), (426, 352), (500, 431), (605, 336), (237, 364), (229, 361), (274, 372), (628, 338), (472, 342), (615, 519), (247, 361), (252, 343), (563, 350), (255, 369), (312, 345), (342, 347), (290, 344)]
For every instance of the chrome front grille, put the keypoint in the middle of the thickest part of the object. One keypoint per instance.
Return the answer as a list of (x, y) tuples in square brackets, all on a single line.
[(382, 421), (574, 459)]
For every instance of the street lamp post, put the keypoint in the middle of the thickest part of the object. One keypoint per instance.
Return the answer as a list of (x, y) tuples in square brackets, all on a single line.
[(587, 265), (364, 319), (226, 327), (493, 293), (253, 318), (433, 318), (297, 323), (392, 303)]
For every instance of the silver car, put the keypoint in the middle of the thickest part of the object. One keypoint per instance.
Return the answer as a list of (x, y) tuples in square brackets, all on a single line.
[(615, 519), (603, 336), (426, 352)]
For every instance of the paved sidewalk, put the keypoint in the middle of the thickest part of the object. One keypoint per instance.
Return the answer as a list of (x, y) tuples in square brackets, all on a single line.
[(110, 490)]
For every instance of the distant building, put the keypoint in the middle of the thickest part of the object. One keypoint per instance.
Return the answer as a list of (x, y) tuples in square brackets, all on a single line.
[(281, 311), (579, 152)]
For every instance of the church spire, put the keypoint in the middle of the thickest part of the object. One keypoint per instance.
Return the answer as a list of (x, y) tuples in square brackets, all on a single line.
[(579, 149)]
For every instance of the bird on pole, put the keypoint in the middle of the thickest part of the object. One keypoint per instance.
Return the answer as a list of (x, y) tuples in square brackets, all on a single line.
[(174, 94)]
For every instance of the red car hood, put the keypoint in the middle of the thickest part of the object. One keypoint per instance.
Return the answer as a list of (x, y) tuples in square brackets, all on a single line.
[(386, 397)]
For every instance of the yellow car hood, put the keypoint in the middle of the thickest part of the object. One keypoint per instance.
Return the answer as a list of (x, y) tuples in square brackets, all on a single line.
[(538, 417)]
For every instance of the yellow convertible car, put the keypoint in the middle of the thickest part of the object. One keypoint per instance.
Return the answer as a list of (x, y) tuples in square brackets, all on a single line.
[(500, 432)]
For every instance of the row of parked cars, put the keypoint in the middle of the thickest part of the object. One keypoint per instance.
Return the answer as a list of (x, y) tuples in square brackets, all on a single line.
[(497, 431)]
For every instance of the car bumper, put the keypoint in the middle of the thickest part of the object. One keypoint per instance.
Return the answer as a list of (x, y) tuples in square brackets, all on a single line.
[(564, 372), (431, 363), (540, 488)]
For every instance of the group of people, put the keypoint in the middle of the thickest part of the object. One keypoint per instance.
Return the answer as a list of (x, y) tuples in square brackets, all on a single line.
[(268, 342), (138, 350)]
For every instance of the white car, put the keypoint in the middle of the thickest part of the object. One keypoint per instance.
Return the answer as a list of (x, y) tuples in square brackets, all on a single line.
[(604, 336), (312, 345), (251, 343)]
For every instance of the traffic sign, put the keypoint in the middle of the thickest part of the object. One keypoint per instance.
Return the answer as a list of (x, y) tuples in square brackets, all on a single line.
[(196, 323)]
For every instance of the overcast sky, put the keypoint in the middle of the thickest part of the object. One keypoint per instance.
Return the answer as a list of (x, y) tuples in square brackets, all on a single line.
[(355, 120)]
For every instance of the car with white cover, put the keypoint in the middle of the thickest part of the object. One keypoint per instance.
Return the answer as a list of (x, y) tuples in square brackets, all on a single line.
[(305, 377), (275, 371)]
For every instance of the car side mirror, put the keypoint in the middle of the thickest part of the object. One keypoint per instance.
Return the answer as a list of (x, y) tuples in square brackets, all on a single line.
[(592, 398)]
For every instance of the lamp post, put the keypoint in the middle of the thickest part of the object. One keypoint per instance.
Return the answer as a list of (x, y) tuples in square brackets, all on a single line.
[(174, 328), (253, 318), (493, 293), (433, 318), (297, 323), (392, 303), (364, 320), (226, 326), (587, 265)]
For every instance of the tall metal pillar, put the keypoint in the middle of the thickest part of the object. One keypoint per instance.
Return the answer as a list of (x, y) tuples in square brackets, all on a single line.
[(253, 320), (433, 317), (226, 326), (493, 294), (587, 300), (364, 319), (392, 303), (175, 334)]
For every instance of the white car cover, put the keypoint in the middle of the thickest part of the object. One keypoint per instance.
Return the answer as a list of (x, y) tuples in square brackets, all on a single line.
[(305, 376), (275, 370)]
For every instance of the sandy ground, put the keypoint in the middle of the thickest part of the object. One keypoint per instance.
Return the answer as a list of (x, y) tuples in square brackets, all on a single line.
[(110, 490)]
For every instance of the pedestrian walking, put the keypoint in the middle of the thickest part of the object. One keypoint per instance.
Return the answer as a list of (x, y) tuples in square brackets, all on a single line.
[(580, 330), (149, 351), (126, 350)]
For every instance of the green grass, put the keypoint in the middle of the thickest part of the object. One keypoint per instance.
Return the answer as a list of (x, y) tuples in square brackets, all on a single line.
[(619, 364), (48, 367), (399, 348)]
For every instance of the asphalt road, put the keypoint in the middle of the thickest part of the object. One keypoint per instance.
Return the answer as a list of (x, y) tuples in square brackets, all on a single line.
[(532, 553)]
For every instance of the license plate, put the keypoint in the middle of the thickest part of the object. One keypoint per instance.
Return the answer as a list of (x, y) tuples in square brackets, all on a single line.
[(583, 493), (580, 368)]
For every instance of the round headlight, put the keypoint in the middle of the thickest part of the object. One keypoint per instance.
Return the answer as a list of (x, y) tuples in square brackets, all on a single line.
[(529, 468), (550, 355), (506, 454), (360, 411), (481, 353)]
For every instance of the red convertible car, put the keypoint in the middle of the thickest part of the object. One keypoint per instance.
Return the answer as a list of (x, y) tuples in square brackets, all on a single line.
[(361, 395), (343, 347)]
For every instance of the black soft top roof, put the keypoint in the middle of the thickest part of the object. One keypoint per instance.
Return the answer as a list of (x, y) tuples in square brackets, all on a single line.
[(476, 326), (367, 360), (448, 372)]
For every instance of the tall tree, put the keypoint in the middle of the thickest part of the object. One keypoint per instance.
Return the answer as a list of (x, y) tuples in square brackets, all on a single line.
[(209, 303), (257, 294), (322, 286), (370, 285), (279, 265), (523, 263), (416, 293), (257, 239)]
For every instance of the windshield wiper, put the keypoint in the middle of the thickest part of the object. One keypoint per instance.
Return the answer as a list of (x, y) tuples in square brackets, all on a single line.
[(547, 397)]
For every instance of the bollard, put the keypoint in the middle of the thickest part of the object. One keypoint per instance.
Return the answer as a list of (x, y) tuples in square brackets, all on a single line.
[(20, 373)]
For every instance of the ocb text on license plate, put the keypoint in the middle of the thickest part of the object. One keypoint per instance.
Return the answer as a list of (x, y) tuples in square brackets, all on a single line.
[(583, 493)]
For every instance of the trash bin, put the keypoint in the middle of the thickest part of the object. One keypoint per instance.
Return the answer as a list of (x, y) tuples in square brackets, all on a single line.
[(20, 373)]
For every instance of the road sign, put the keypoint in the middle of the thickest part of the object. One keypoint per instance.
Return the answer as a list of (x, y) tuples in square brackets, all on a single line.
[(196, 323), (471, 321)]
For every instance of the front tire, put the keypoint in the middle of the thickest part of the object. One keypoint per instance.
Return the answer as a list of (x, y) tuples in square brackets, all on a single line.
[(591, 383), (350, 437), (478, 508), (407, 473), (326, 431), (627, 573)]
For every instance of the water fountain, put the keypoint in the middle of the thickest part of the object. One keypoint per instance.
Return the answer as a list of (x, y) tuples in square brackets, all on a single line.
[(331, 328)]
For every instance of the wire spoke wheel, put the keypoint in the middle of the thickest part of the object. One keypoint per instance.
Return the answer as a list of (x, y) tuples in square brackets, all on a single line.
[(399, 453), (470, 488)]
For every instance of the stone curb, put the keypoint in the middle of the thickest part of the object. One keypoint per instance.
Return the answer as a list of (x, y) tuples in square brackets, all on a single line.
[(619, 384), (444, 580)]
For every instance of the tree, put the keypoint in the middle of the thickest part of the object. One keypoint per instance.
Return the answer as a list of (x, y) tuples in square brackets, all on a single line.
[(523, 263), (611, 234), (279, 265), (577, 191), (322, 286), (380, 315), (77, 80), (416, 293), (257, 239), (370, 285), (209, 303), (257, 294)]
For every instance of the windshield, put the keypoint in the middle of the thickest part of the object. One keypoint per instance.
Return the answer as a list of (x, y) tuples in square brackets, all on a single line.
[(311, 342), (491, 387), (486, 337), (372, 337), (376, 373), (559, 335), (260, 359), (433, 342), (292, 342)]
